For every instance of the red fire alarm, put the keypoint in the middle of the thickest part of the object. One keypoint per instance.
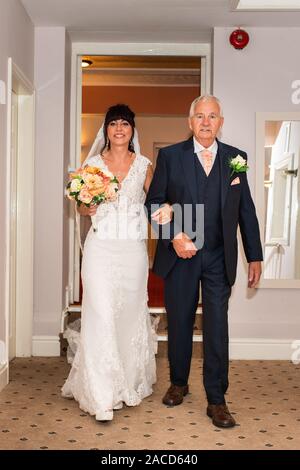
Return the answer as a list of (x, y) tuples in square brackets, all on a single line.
[(239, 39)]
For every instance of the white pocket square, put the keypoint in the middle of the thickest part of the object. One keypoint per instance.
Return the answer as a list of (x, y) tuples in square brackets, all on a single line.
[(235, 181)]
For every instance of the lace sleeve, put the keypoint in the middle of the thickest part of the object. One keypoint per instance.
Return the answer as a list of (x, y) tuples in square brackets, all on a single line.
[(144, 163)]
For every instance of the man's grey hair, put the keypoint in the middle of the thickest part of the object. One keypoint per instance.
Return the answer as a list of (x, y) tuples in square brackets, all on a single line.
[(205, 98)]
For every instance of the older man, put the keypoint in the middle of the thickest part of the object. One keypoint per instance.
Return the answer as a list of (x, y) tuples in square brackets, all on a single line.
[(202, 171)]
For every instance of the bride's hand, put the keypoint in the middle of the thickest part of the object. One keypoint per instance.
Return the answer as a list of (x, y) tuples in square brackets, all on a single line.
[(84, 210), (163, 215)]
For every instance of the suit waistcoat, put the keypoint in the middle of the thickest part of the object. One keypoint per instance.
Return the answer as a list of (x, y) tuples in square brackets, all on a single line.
[(209, 194)]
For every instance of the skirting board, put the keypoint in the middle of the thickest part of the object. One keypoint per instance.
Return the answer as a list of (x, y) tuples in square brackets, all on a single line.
[(46, 346), (261, 349), (3, 377), (239, 348)]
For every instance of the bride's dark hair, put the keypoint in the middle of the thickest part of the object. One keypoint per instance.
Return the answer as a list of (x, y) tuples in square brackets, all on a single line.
[(118, 111)]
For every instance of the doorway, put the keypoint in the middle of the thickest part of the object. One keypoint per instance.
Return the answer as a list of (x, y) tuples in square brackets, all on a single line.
[(19, 214), (158, 89), (135, 61)]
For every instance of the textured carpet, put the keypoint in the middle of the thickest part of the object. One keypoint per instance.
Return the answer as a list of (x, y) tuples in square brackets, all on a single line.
[(263, 396)]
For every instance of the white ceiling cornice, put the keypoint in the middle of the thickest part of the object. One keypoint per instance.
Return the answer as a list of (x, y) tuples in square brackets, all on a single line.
[(150, 20)]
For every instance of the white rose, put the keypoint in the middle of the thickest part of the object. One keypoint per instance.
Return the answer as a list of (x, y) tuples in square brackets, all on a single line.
[(75, 185), (238, 160)]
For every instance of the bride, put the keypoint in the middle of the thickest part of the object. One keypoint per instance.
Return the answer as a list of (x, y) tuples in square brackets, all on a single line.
[(115, 360)]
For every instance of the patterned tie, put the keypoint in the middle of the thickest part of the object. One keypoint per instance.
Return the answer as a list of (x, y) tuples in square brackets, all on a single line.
[(207, 158)]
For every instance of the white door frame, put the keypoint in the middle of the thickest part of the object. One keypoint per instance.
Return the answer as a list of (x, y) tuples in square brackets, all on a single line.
[(146, 49), (18, 82), (13, 225)]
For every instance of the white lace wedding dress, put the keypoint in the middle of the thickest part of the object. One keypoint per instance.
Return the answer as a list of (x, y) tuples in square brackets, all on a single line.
[(115, 359)]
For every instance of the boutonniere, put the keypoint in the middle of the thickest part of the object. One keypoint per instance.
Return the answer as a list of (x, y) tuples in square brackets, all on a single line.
[(238, 165)]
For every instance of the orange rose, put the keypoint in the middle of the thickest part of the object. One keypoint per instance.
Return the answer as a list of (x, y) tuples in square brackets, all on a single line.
[(93, 170), (96, 184)]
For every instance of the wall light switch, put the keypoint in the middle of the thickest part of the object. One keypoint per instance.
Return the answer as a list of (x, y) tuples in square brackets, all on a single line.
[(2, 92)]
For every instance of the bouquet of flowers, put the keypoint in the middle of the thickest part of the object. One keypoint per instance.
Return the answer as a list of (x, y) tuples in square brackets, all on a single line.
[(91, 185)]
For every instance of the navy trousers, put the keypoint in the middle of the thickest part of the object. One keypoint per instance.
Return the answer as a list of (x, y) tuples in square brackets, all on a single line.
[(181, 301)]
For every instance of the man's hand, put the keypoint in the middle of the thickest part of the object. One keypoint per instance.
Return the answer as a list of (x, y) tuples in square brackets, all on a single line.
[(184, 246), (254, 273), (163, 215)]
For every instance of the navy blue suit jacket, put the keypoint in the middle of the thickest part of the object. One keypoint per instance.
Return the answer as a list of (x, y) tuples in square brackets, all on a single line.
[(174, 181)]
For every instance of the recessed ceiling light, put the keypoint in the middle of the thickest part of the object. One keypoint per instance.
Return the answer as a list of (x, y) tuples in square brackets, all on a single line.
[(86, 63), (266, 5)]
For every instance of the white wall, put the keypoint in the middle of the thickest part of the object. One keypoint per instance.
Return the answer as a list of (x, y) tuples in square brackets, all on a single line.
[(52, 51), (16, 41), (258, 78)]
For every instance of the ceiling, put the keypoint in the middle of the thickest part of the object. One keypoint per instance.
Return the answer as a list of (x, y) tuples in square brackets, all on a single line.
[(141, 62), (150, 20), (142, 71)]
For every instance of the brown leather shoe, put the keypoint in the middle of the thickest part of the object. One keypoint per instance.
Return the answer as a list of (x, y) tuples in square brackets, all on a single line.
[(221, 416), (175, 394)]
